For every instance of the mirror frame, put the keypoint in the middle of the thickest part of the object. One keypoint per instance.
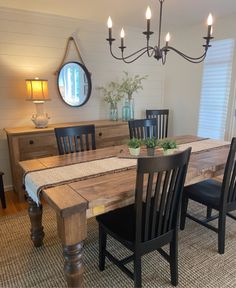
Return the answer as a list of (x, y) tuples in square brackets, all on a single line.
[(88, 75)]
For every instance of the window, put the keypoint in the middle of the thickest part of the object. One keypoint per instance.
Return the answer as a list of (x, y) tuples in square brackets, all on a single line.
[(216, 89)]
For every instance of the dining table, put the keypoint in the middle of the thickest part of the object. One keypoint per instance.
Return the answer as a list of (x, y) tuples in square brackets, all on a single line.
[(85, 184)]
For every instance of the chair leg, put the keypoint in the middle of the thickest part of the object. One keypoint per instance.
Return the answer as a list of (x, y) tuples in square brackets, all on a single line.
[(174, 260), (2, 194), (221, 233), (183, 212), (102, 247), (209, 212), (137, 271)]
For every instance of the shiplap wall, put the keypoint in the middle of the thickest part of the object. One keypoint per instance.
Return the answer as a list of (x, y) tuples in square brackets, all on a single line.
[(32, 45)]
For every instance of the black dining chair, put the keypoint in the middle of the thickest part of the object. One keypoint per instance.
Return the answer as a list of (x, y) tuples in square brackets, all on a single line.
[(142, 128), (75, 139), (2, 194), (152, 221), (161, 116), (214, 195)]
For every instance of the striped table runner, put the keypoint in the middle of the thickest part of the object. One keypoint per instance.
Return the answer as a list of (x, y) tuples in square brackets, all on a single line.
[(36, 181)]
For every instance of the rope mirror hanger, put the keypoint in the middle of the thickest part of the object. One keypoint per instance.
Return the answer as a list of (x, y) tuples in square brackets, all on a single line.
[(73, 79)]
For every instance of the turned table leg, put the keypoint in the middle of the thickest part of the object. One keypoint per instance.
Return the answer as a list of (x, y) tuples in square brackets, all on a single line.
[(73, 230), (35, 214)]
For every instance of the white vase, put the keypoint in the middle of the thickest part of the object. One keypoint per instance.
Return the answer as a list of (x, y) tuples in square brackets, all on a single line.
[(169, 151), (134, 151)]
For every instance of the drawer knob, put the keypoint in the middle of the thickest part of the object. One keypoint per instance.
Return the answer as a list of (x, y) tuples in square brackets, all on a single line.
[(31, 142), (100, 134)]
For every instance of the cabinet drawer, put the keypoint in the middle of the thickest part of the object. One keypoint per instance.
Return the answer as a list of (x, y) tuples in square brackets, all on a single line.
[(112, 135), (36, 146)]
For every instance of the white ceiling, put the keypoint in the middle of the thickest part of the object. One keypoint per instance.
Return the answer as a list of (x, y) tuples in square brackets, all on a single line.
[(130, 12)]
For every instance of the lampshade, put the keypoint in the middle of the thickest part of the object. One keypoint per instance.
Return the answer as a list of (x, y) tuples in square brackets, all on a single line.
[(37, 89)]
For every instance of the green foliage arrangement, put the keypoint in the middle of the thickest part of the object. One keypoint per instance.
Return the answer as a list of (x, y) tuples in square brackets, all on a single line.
[(130, 84), (134, 143), (151, 142), (112, 93), (168, 144)]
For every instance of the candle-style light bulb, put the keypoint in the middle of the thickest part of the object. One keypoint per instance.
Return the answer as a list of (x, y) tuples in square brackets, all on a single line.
[(148, 17), (210, 20), (209, 23), (167, 37), (211, 32), (122, 36), (109, 22), (122, 33), (109, 25), (148, 13)]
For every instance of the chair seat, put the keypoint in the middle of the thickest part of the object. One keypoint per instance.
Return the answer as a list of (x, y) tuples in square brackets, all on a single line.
[(120, 222), (207, 192)]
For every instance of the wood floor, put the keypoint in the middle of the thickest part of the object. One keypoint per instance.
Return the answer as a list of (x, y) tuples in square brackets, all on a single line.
[(13, 205)]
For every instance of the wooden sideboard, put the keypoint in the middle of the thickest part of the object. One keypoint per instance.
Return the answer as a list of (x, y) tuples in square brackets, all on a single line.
[(29, 143)]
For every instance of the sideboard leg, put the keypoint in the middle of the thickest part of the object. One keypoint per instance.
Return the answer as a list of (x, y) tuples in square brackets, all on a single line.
[(35, 213)]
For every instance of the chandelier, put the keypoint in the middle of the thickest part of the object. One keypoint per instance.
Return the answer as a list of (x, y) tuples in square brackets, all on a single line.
[(157, 51)]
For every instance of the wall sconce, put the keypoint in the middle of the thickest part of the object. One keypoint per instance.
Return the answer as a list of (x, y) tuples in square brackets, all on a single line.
[(37, 91)]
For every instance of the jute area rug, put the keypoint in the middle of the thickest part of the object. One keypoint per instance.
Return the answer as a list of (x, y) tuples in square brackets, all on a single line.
[(200, 265)]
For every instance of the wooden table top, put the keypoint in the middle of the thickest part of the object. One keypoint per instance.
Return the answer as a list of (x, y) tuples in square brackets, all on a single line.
[(108, 192)]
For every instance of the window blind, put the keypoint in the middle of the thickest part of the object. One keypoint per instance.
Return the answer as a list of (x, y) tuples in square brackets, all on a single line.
[(216, 89)]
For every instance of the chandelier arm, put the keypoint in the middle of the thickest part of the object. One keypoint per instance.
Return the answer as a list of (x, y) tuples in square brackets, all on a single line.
[(131, 61), (138, 51), (152, 52), (186, 56), (195, 61), (163, 58), (133, 54), (148, 46)]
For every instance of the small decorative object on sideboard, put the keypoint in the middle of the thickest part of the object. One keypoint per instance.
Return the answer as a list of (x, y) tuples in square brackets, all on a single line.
[(151, 144), (134, 145), (112, 95), (169, 146), (129, 85), (37, 91)]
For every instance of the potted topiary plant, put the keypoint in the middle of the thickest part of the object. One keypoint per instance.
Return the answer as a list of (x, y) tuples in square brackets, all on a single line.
[(169, 146), (151, 144), (134, 145)]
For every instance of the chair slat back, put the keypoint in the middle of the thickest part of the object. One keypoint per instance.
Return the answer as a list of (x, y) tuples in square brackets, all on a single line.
[(75, 139), (159, 186), (142, 128), (228, 194), (161, 117)]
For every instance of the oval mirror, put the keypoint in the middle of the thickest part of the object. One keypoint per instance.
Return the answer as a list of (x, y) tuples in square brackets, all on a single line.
[(74, 84)]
